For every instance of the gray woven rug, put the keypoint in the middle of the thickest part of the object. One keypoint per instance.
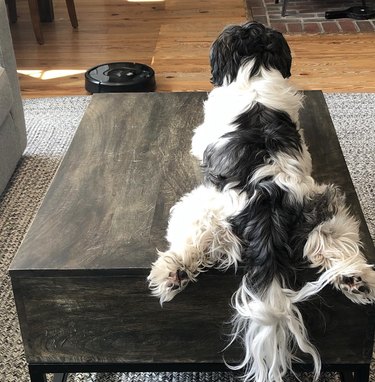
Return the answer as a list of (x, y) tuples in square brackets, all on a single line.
[(51, 124)]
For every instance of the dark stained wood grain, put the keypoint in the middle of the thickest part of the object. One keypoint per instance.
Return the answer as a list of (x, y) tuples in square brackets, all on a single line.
[(79, 276), (114, 319), (108, 205)]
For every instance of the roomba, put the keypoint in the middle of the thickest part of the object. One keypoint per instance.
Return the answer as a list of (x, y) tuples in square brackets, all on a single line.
[(120, 77)]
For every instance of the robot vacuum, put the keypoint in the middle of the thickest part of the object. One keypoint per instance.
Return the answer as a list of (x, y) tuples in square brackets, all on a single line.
[(120, 77)]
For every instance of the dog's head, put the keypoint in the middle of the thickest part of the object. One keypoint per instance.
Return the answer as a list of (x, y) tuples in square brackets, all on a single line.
[(239, 44)]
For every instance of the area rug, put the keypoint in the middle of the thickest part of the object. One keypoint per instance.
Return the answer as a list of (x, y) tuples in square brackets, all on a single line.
[(308, 16), (51, 123)]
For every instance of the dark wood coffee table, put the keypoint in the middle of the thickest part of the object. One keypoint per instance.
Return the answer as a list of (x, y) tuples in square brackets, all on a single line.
[(79, 278)]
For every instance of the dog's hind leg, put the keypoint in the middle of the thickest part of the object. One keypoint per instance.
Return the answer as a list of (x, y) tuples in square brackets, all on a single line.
[(335, 243), (200, 237)]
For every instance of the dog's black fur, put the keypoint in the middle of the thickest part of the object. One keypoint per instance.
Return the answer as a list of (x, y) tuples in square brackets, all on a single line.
[(269, 220)]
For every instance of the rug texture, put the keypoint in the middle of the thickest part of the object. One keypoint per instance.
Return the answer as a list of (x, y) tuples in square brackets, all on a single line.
[(51, 123)]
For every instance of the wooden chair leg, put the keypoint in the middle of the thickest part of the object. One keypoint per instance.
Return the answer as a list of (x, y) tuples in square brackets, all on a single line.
[(35, 19), (72, 13), (12, 10)]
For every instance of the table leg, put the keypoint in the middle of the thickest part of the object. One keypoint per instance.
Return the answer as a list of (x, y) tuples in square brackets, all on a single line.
[(36, 375), (60, 377), (346, 376), (362, 374)]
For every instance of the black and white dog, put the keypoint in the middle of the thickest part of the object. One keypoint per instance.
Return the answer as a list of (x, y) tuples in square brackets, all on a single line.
[(259, 206)]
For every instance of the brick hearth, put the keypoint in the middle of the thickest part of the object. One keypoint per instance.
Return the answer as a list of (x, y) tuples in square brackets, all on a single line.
[(307, 16)]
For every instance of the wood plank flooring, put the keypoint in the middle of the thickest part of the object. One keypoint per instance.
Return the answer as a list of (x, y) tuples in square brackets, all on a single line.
[(173, 36)]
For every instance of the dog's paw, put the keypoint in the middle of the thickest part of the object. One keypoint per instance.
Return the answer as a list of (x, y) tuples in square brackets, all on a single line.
[(359, 289), (167, 277), (165, 285), (177, 280), (353, 284)]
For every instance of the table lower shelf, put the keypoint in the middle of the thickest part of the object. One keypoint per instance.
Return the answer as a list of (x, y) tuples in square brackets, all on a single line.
[(348, 372)]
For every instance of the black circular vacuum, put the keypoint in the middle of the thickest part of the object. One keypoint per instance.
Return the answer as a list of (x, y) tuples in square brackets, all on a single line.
[(120, 77)]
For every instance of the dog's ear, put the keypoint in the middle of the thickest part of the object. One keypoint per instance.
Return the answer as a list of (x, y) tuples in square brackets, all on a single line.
[(277, 54), (217, 60), (225, 59), (265, 47), (227, 55)]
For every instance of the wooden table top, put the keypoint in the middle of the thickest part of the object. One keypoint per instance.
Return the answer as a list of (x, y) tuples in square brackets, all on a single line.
[(107, 208)]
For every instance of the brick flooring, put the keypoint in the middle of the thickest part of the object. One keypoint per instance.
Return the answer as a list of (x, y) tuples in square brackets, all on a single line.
[(308, 16)]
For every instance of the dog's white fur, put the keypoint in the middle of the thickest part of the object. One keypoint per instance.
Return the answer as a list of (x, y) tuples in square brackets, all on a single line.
[(200, 236)]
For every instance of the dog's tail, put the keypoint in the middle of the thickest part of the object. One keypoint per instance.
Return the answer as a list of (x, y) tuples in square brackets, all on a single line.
[(271, 328), (267, 320)]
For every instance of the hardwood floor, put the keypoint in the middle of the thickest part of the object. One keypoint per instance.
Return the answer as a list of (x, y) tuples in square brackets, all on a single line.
[(173, 36)]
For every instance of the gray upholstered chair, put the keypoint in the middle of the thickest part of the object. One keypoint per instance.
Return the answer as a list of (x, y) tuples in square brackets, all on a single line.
[(12, 121)]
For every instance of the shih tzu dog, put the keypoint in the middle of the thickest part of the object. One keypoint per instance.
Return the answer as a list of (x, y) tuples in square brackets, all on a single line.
[(259, 206)]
